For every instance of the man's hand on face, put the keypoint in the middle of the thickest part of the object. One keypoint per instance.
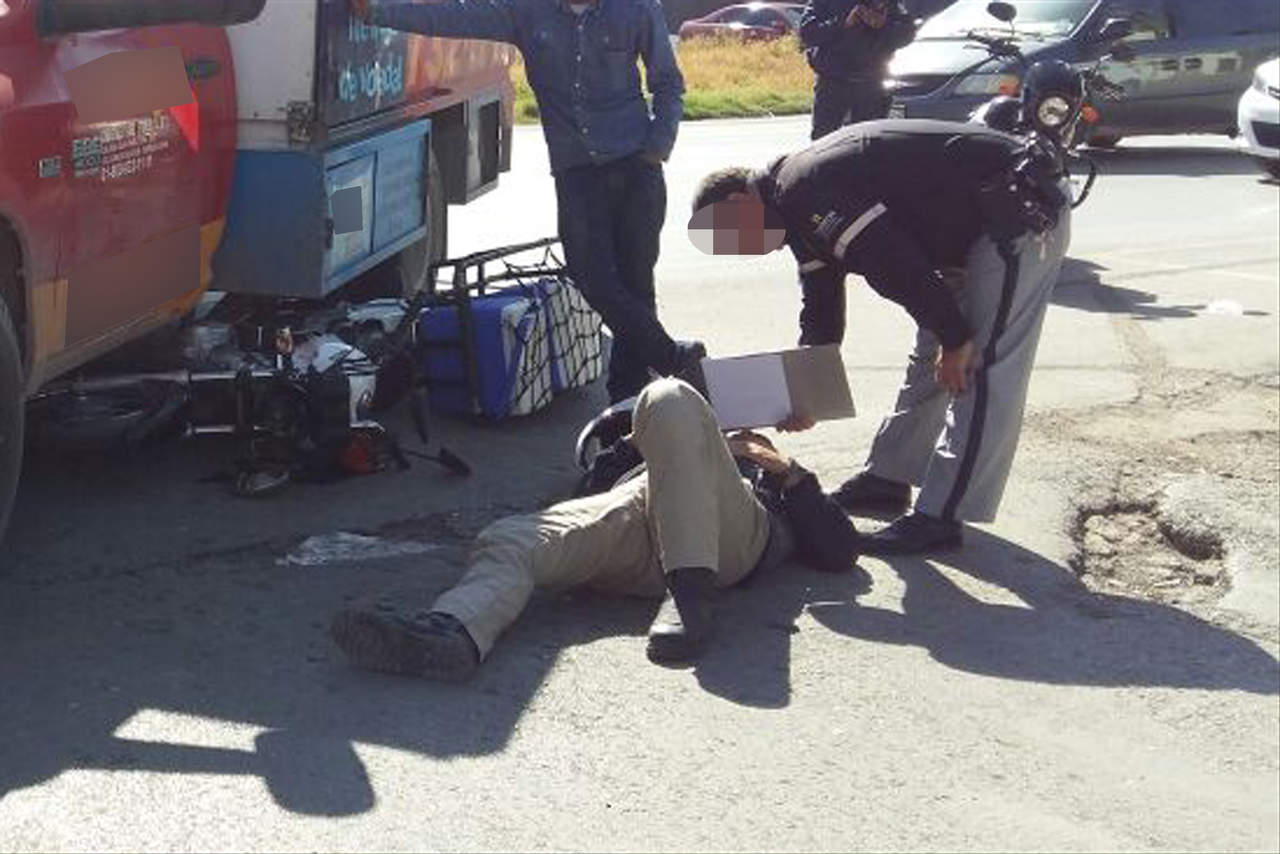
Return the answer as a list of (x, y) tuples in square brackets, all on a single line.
[(360, 9), (954, 367), (758, 449)]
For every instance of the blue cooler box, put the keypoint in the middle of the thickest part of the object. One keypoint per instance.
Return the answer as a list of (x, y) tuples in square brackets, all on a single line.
[(513, 368)]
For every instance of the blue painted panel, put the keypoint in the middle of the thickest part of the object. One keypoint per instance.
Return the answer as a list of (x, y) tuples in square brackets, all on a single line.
[(351, 248), (400, 190), (278, 218), (274, 239)]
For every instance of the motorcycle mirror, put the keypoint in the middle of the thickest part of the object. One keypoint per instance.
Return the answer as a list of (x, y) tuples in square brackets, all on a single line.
[(1115, 29), (1005, 12)]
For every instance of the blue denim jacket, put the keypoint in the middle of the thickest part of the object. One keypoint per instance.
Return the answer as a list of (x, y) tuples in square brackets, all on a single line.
[(582, 68)]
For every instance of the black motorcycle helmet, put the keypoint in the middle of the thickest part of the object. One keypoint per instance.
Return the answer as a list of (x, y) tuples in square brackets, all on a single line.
[(1002, 113), (1052, 97)]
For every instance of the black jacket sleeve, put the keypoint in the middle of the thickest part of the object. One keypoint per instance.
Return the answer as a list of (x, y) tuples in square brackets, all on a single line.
[(894, 263), (898, 31), (822, 21), (825, 536)]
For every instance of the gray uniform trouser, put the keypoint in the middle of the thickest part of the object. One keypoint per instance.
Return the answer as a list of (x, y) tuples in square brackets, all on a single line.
[(959, 450), (690, 509)]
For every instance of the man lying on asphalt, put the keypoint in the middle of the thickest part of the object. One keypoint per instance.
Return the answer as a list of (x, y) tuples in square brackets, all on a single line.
[(900, 203), (691, 520)]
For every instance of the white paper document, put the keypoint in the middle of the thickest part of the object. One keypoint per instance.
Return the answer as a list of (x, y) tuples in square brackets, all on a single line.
[(764, 389), (748, 391)]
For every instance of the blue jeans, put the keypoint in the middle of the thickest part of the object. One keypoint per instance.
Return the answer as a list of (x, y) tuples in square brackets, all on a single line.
[(611, 217)]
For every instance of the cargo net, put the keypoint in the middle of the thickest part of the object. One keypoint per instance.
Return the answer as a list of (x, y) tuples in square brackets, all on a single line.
[(572, 326), (527, 335)]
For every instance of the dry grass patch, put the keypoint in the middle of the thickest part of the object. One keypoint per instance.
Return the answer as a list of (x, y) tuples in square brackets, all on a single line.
[(724, 78)]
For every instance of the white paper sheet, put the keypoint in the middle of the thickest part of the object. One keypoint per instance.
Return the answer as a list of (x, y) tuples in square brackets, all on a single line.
[(748, 391)]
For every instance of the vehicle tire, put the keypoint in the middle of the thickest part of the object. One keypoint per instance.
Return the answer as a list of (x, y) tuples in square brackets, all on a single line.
[(1102, 140), (1269, 166), (399, 276), (12, 406)]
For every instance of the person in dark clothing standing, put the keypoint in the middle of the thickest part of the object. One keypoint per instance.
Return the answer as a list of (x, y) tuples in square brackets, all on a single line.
[(703, 512), (848, 44), (966, 228), (606, 147)]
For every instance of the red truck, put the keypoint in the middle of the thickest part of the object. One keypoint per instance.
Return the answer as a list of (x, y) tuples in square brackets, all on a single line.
[(116, 213)]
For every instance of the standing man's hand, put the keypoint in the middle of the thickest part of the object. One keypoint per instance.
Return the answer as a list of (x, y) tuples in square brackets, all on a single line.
[(954, 367), (870, 15), (360, 9)]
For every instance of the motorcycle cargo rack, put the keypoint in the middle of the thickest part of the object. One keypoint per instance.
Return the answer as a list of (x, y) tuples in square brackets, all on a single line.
[(499, 337)]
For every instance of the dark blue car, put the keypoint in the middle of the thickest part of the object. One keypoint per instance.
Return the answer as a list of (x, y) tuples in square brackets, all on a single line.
[(1187, 60)]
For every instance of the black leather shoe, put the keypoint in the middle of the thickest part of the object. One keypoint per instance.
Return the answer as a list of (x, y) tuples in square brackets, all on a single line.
[(684, 622), (868, 492), (913, 533), (433, 645)]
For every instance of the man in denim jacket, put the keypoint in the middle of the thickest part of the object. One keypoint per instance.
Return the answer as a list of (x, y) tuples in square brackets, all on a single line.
[(606, 146)]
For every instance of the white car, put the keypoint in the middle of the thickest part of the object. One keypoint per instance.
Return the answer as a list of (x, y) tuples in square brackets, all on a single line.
[(1258, 118)]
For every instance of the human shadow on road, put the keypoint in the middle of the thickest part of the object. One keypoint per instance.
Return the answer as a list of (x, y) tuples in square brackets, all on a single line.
[(1081, 287), (127, 672), (1181, 160), (1061, 633), (749, 662)]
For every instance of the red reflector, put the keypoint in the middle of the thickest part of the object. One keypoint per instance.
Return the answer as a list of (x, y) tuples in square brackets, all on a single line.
[(187, 118)]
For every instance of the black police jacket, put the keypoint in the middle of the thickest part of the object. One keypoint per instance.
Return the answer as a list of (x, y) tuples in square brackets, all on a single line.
[(894, 201), (851, 53)]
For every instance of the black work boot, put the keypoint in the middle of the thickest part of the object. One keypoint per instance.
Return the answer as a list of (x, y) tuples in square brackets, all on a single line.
[(874, 494), (433, 645), (684, 622), (914, 533)]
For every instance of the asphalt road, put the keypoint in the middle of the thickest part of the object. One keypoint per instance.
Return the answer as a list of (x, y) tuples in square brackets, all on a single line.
[(168, 685)]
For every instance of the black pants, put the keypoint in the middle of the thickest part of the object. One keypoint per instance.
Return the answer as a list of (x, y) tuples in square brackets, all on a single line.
[(837, 103), (611, 217)]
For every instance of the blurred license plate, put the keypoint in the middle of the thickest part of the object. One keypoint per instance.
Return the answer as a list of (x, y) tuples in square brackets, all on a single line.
[(897, 110)]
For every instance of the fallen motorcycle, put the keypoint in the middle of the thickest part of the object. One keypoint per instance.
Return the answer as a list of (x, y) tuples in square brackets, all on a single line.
[(298, 385)]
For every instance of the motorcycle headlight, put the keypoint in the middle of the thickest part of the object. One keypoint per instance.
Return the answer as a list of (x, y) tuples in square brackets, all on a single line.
[(1053, 111), (989, 84)]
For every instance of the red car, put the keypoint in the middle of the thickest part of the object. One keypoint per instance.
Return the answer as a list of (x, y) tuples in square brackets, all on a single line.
[(747, 21)]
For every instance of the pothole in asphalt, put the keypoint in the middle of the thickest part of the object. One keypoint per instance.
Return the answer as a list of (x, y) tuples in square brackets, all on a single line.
[(1126, 547)]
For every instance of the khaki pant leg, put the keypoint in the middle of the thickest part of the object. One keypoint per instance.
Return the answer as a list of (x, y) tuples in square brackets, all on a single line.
[(703, 514), (602, 540)]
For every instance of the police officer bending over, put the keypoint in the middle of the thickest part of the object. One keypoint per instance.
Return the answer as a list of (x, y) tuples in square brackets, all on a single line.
[(963, 226)]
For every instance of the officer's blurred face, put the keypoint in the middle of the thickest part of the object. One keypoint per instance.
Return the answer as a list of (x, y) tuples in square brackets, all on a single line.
[(739, 225)]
